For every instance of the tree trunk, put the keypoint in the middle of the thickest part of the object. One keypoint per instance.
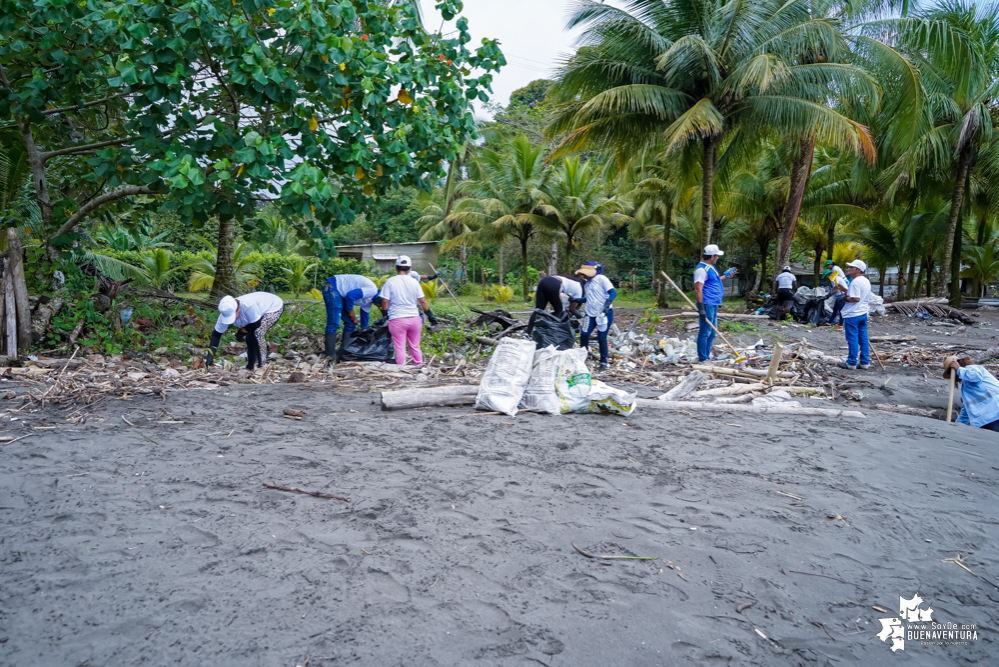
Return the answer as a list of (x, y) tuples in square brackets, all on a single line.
[(707, 192), (664, 261), (764, 247), (929, 275), (499, 264), (881, 283), (225, 265), (957, 199), (919, 278), (523, 266), (815, 266), (15, 265), (553, 262), (830, 240), (955, 267), (800, 171), (464, 263)]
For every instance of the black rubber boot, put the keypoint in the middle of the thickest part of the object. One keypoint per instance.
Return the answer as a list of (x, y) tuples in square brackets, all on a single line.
[(331, 345)]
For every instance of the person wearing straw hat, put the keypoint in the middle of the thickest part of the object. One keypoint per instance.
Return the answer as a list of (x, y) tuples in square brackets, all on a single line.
[(599, 299), (709, 291), (254, 314), (855, 317), (979, 393), (341, 294)]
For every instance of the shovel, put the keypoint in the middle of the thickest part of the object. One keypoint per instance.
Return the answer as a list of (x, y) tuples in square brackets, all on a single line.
[(738, 355)]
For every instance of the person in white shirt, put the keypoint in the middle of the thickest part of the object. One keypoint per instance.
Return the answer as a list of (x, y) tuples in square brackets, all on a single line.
[(254, 314), (402, 299), (600, 295), (786, 284), (855, 317), (837, 278), (560, 292)]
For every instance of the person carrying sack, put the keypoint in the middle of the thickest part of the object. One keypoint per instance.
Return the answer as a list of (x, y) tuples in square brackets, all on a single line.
[(403, 299), (254, 314), (340, 294), (600, 295), (979, 393)]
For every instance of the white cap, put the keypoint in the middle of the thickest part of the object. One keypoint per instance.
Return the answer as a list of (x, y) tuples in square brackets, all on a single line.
[(858, 264), (227, 308), (787, 268), (712, 250), (404, 260)]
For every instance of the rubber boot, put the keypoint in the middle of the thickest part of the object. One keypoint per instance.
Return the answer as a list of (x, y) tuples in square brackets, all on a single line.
[(331, 345)]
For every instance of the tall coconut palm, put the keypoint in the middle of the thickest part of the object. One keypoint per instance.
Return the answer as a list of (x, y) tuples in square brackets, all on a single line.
[(663, 76), (506, 198), (576, 204)]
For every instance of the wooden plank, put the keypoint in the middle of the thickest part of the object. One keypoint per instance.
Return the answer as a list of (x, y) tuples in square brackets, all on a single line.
[(774, 363)]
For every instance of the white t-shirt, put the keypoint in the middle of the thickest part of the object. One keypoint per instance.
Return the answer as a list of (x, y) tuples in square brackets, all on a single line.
[(860, 287), (571, 288), (785, 280), (597, 289), (837, 276), (402, 293), (252, 307)]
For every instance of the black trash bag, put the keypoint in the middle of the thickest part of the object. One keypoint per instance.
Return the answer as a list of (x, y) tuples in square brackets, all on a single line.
[(798, 311), (373, 343), (816, 309), (551, 329)]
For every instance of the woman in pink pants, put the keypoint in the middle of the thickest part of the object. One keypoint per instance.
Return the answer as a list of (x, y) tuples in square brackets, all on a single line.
[(403, 298)]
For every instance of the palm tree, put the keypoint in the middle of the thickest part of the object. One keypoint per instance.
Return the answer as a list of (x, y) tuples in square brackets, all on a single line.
[(576, 204), (506, 199), (983, 266), (277, 236), (156, 267), (811, 234), (664, 76), (203, 275), (298, 273)]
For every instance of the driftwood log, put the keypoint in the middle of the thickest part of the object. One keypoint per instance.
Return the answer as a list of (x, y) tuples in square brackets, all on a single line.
[(726, 316), (42, 317), (428, 397), (775, 409), (731, 390), (686, 387), (743, 372)]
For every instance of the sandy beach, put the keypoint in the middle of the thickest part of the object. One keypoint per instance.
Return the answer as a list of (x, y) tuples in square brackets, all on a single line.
[(144, 536)]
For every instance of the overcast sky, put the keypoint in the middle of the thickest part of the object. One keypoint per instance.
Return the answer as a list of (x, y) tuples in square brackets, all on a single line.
[(531, 34)]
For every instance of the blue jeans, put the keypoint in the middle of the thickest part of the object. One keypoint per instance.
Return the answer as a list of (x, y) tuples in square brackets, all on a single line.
[(584, 337), (856, 337), (334, 311), (706, 335), (837, 309)]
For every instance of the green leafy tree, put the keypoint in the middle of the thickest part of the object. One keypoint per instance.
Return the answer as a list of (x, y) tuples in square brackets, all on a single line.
[(213, 106), (156, 267)]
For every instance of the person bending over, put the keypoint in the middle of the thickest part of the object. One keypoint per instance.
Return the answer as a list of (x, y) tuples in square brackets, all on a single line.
[(340, 294), (556, 291), (254, 314), (979, 393)]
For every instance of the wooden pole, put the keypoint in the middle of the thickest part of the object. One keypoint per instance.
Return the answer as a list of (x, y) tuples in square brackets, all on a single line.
[(950, 401), (15, 267), (446, 286), (8, 293), (738, 355), (774, 363)]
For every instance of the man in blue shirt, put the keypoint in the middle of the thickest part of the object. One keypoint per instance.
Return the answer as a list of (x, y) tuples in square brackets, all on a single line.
[(709, 291), (340, 294), (979, 393)]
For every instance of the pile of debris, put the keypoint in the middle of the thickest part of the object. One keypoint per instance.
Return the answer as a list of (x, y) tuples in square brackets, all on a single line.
[(936, 307)]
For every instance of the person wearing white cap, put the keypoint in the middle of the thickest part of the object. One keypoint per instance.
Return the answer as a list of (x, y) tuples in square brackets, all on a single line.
[(340, 294), (786, 284), (709, 291), (254, 314), (403, 299), (855, 317)]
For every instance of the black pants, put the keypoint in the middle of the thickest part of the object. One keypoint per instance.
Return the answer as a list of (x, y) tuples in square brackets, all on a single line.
[(784, 295), (994, 426), (549, 289)]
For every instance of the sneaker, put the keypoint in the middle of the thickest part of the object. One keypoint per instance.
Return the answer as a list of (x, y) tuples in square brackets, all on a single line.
[(603, 366), (863, 367), (843, 364)]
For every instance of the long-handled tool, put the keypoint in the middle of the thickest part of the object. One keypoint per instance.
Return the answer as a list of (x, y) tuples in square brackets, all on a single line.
[(950, 401), (452, 294), (738, 355)]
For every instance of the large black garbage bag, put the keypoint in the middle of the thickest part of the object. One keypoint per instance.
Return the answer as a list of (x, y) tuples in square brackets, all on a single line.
[(816, 310), (551, 329), (373, 343), (798, 311)]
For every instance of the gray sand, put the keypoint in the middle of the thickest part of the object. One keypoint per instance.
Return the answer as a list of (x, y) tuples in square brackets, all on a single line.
[(455, 547)]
